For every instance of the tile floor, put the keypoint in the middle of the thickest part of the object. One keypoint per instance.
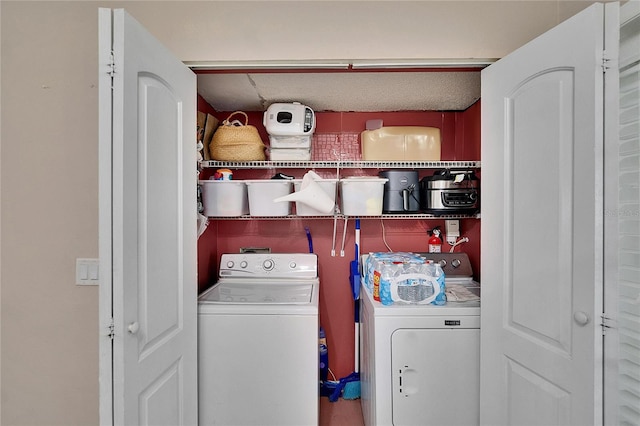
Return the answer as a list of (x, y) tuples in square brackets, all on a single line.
[(340, 413)]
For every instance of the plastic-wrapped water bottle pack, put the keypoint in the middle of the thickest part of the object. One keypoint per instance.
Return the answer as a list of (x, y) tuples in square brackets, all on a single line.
[(403, 277)]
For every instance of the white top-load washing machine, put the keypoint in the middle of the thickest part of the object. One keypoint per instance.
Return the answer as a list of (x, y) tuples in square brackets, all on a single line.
[(421, 363), (258, 341)]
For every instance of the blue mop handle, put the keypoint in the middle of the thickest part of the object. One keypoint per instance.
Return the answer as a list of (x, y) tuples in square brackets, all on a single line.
[(356, 264), (309, 240), (357, 259)]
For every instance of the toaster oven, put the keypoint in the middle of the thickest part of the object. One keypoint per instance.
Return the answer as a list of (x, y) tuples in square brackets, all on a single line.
[(450, 192)]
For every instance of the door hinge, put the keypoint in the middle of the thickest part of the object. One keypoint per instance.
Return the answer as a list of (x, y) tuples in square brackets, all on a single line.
[(607, 323), (111, 329), (112, 65), (607, 62)]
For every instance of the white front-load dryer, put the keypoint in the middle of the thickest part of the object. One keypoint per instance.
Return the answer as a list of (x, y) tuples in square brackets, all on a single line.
[(258, 342), (420, 363)]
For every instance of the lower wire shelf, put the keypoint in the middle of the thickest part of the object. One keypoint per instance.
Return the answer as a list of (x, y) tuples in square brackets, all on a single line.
[(342, 216)]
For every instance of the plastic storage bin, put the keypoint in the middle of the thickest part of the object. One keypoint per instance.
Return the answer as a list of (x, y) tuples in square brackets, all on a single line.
[(224, 198), (327, 185), (289, 154), (262, 192), (401, 143), (290, 142), (362, 196)]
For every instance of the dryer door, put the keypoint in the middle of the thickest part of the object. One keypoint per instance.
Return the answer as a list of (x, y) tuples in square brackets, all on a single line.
[(436, 376)]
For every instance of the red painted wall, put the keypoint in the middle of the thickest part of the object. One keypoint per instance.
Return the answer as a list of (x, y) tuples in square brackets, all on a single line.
[(460, 141)]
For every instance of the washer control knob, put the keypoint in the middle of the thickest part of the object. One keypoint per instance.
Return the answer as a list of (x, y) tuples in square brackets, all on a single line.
[(243, 264), (268, 264), (230, 264), (455, 263), (292, 265), (442, 263)]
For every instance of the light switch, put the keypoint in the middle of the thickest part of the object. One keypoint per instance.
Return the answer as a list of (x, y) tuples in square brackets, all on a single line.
[(93, 272), (83, 272), (87, 271)]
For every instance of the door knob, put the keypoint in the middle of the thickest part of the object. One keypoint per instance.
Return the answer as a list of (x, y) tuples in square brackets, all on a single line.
[(581, 318), (133, 327)]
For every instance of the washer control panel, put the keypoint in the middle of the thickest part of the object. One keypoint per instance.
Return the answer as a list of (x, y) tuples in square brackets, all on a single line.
[(269, 265)]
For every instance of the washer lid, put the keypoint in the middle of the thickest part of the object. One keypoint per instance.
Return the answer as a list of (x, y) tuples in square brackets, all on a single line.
[(259, 292)]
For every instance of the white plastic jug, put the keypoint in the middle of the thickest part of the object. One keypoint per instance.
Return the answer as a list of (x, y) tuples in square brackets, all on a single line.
[(311, 194)]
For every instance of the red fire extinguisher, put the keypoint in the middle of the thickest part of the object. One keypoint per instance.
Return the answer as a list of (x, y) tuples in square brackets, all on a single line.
[(435, 243)]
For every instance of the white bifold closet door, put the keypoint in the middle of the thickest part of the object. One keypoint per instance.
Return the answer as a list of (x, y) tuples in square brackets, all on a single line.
[(622, 371)]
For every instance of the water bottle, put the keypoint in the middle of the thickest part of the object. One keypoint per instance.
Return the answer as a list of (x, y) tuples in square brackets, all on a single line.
[(435, 270)]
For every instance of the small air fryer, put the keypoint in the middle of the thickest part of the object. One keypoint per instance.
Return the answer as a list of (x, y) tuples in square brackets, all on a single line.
[(401, 191)]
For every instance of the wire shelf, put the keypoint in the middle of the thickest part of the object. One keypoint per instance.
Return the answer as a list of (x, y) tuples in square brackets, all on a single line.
[(342, 164), (341, 216)]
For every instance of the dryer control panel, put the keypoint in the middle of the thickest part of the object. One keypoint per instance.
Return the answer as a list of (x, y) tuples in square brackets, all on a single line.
[(453, 264)]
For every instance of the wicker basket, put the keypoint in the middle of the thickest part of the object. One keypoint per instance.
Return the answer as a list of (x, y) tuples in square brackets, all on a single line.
[(234, 141)]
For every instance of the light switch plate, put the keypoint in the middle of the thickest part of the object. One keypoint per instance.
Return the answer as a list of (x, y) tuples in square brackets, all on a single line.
[(87, 271)]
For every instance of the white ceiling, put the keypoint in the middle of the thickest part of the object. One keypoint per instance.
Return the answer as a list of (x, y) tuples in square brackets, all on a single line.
[(342, 91), (268, 31)]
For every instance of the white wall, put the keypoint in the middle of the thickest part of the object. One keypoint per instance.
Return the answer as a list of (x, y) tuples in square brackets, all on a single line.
[(350, 29), (48, 162)]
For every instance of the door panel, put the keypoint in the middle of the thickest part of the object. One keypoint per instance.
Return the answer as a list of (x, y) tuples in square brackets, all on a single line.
[(542, 232), (160, 276), (153, 407), (153, 229), (548, 97), (522, 384)]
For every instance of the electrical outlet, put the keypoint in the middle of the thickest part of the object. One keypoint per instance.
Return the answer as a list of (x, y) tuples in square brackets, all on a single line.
[(452, 230), (87, 271)]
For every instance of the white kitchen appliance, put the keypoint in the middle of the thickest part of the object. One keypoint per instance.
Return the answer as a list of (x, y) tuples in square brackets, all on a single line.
[(289, 119), (290, 127), (421, 363), (258, 341)]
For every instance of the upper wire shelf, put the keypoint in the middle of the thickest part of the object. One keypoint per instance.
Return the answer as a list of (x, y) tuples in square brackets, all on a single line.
[(342, 164)]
